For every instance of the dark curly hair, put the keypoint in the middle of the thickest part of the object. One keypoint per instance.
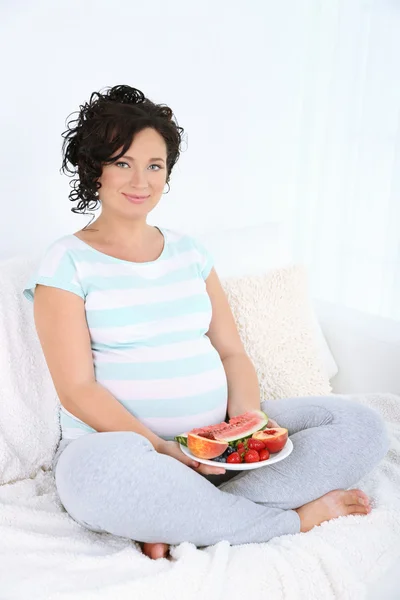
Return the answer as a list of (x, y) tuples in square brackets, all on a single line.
[(106, 123)]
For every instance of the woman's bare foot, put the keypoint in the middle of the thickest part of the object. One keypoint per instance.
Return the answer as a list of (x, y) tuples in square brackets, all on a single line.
[(337, 503), (156, 550)]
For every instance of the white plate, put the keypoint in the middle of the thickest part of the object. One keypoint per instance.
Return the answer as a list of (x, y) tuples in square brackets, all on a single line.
[(274, 458)]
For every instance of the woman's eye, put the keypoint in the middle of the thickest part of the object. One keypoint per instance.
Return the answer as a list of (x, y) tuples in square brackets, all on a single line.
[(125, 163)]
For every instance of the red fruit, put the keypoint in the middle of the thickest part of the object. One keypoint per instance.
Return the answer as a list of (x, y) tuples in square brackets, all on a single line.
[(234, 458), (251, 456), (239, 427), (241, 448), (205, 445), (264, 454), (274, 439), (254, 444)]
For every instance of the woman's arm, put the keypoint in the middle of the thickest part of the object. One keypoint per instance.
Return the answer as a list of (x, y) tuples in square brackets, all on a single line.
[(243, 386), (61, 325)]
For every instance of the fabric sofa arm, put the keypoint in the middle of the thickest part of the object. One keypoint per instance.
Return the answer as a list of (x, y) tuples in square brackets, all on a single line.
[(366, 348)]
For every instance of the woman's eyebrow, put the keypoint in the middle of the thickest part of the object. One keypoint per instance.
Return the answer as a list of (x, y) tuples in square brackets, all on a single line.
[(130, 158)]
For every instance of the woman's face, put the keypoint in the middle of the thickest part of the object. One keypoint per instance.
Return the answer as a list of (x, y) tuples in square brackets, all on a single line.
[(142, 171)]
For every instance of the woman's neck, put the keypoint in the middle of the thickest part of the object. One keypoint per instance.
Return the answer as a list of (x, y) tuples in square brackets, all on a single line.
[(129, 235)]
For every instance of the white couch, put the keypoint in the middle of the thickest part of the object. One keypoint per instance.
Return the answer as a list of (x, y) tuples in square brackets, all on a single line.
[(44, 554)]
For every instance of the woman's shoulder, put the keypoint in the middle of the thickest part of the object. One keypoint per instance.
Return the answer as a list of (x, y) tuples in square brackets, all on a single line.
[(65, 247), (58, 245), (67, 241), (56, 268), (63, 251), (183, 239), (191, 244)]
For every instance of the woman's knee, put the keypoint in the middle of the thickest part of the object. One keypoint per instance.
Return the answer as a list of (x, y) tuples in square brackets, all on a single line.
[(103, 448), (366, 423), (375, 424), (366, 427), (94, 463)]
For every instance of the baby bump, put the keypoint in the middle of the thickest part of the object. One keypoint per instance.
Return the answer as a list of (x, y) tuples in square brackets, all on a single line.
[(170, 397)]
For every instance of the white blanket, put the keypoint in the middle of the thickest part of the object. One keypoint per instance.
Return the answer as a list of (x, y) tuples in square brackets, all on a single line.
[(44, 554), (29, 422)]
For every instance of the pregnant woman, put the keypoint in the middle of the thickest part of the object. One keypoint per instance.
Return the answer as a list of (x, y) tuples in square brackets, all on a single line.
[(141, 346)]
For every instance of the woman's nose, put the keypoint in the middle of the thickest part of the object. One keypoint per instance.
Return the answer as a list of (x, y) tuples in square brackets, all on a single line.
[(139, 178)]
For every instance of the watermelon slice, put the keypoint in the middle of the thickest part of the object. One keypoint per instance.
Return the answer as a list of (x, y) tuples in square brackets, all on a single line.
[(237, 430)]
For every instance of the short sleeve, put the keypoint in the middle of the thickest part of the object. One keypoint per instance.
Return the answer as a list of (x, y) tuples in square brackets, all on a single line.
[(206, 258), (56, 269)]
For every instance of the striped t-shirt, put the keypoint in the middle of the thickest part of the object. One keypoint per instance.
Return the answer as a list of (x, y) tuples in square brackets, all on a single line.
[(148, 323)]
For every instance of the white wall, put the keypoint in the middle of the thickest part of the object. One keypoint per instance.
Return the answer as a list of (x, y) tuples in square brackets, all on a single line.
[(291, 111), (231, 72)]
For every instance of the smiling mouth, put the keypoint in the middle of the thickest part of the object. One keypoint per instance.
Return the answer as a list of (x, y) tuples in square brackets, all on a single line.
[(136, 196), (136, 199)]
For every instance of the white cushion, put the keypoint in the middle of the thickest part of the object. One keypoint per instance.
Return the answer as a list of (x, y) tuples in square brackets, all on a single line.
[(256, 250), (273, 314)]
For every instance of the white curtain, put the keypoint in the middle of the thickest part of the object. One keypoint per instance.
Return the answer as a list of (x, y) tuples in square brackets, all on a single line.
[(345, 214)]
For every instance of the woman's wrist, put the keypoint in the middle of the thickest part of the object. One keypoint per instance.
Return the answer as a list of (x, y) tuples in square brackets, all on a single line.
[(159, 445)]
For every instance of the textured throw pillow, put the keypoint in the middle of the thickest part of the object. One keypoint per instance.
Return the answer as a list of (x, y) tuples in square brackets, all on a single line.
[(274, 316)]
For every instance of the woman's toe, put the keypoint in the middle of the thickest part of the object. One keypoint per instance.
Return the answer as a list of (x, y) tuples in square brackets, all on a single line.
[(156, 550)]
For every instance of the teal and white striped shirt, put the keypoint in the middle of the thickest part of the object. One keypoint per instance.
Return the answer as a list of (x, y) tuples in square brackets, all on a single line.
[(148, 323)]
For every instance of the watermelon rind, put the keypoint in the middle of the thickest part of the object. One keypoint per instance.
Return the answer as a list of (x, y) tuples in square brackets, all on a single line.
[(182, 439), (234, 439)]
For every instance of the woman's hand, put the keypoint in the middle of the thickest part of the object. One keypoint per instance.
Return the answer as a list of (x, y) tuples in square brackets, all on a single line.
[(271, 423), (172, 448)]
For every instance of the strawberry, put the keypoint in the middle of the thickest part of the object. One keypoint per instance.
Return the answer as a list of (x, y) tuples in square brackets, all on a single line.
[(251, 456), (234, 458), (264, 454), (254, 444)]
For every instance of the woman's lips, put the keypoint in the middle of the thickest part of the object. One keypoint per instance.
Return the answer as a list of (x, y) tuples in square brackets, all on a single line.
[(136, 199)]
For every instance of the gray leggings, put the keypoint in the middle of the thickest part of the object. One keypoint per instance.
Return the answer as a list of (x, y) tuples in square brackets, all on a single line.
[(116, 482)]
